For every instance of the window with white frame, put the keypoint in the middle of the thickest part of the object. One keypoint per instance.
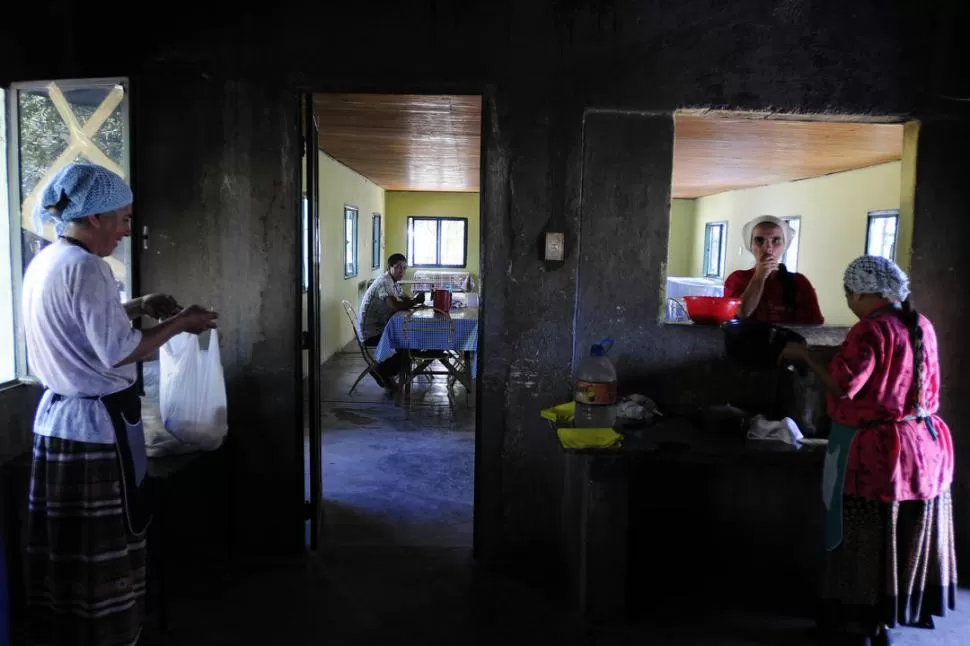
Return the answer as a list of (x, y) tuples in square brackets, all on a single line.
[(790, 259), (715, 249), (375, 251), (882, 227), (437, 242), (51, 124), (350, 241), (8, 355)]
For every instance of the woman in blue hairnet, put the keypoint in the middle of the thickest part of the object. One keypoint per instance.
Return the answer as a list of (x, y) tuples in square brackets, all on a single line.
[(87, 516)]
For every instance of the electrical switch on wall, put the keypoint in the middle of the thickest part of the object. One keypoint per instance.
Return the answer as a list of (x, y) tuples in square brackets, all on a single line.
[(555, 247)]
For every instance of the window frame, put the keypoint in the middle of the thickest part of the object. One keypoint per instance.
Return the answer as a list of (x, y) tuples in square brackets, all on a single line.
[(722, 256), (15, 198), (882, 214), (7, 220), (350, 210), (796, 243), (376, 241), (304, 242), (438, 220)]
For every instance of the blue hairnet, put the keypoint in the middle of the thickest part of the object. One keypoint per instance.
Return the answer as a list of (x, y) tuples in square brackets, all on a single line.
[(89, 189)]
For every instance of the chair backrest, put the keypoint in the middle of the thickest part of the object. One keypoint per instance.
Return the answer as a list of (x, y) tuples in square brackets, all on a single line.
[(352, 315), (440, 325)]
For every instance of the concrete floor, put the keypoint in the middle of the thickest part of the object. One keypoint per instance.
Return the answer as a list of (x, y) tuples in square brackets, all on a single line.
[(395, 566)]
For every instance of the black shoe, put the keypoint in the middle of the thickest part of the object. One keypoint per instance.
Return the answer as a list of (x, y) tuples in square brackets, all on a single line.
[(926, 622), (885, 638), (377, 377)]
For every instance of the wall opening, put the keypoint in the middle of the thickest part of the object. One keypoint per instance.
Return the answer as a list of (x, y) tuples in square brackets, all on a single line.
[(824, 179), (398, 465)]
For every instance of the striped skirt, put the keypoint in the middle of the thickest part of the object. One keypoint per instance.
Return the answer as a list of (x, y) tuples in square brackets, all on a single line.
[(86, 569), (896, 565)]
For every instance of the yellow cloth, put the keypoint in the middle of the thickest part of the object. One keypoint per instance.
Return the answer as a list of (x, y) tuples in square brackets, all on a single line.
[(579, 438)]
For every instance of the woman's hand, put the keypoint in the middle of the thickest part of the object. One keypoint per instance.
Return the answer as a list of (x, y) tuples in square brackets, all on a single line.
[(196, 320), (793, 353), (159, 306)]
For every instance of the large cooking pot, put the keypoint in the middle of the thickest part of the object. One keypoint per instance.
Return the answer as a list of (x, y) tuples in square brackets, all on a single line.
[(756, 344)]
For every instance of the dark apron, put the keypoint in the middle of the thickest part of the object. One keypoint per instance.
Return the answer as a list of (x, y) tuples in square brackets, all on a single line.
[(124, 410)]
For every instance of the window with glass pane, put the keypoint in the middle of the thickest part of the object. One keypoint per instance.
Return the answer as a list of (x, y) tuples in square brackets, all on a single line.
[(8, 356), (62, 122), (55, 123), (790, 259), (376, 242), (350, 241), (437, 242), (715, 237), (881, 233)]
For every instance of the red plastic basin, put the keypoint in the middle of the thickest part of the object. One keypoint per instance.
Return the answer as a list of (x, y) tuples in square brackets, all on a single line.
[(711, 310)]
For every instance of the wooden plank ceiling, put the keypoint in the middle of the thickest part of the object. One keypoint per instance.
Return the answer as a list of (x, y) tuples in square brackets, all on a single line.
[(404, 142), (716, 154), (433, 143)]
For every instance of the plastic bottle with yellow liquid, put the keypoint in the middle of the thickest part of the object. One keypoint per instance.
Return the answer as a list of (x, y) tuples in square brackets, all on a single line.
[(595, 388)]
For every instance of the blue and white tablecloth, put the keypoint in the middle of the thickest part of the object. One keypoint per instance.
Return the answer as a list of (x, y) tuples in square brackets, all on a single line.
[(465, 338)]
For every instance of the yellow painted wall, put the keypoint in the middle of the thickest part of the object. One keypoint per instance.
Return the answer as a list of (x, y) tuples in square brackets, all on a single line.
[(834, 211), (681, 240), (907, 195), (340, 186), (401, 204)]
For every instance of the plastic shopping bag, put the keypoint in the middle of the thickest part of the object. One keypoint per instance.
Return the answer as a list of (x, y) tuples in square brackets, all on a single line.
[(192, 391)]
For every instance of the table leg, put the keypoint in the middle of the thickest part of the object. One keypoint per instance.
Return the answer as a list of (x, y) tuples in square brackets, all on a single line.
[(468, 379)]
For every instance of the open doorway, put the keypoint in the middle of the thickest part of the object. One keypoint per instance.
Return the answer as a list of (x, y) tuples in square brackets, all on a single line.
[(843, 187), (397, 176)]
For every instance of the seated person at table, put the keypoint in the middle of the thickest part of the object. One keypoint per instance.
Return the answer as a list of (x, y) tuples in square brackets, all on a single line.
[(770, 293), (381, 300)]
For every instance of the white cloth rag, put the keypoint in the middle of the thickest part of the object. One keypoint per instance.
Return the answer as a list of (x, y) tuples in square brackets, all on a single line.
[(637, 407), (785, 430)]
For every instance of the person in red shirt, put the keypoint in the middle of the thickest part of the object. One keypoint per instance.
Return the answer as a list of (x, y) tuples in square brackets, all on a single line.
[(889, 533), (770, 293)]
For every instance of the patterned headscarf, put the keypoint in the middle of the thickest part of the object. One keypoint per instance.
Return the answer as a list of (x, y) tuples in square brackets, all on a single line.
[(89, 189), (747, 233), (877, 275)]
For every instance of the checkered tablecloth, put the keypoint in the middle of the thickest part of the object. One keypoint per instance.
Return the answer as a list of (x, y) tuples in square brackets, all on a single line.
[(465, 339)]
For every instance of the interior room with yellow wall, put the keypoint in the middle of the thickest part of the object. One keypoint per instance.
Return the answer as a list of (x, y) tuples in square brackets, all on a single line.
[(683, 217), (834, 216), (402, 204), (340, 187)]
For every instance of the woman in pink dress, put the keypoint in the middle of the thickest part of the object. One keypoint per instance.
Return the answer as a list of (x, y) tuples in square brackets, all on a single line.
[(889, 540)]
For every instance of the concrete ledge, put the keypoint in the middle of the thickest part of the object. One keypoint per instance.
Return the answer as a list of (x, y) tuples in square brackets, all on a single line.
[(816, 335)]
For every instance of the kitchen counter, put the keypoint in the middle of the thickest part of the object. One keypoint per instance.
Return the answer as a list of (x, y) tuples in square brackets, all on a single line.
[(680, 439), (815, 335), (631, 515)]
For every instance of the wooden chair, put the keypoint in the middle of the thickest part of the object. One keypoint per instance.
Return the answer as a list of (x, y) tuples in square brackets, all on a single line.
[(371, 368)]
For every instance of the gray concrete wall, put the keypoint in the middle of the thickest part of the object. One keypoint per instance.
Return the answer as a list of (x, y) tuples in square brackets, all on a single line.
[(216, 168), (940, 267)]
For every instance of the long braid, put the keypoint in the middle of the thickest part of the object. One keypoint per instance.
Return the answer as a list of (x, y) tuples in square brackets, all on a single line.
[(911, 318)]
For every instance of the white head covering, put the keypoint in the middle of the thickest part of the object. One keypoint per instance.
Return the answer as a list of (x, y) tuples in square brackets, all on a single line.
[(747, 233), (88, 188), (877, 275)]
